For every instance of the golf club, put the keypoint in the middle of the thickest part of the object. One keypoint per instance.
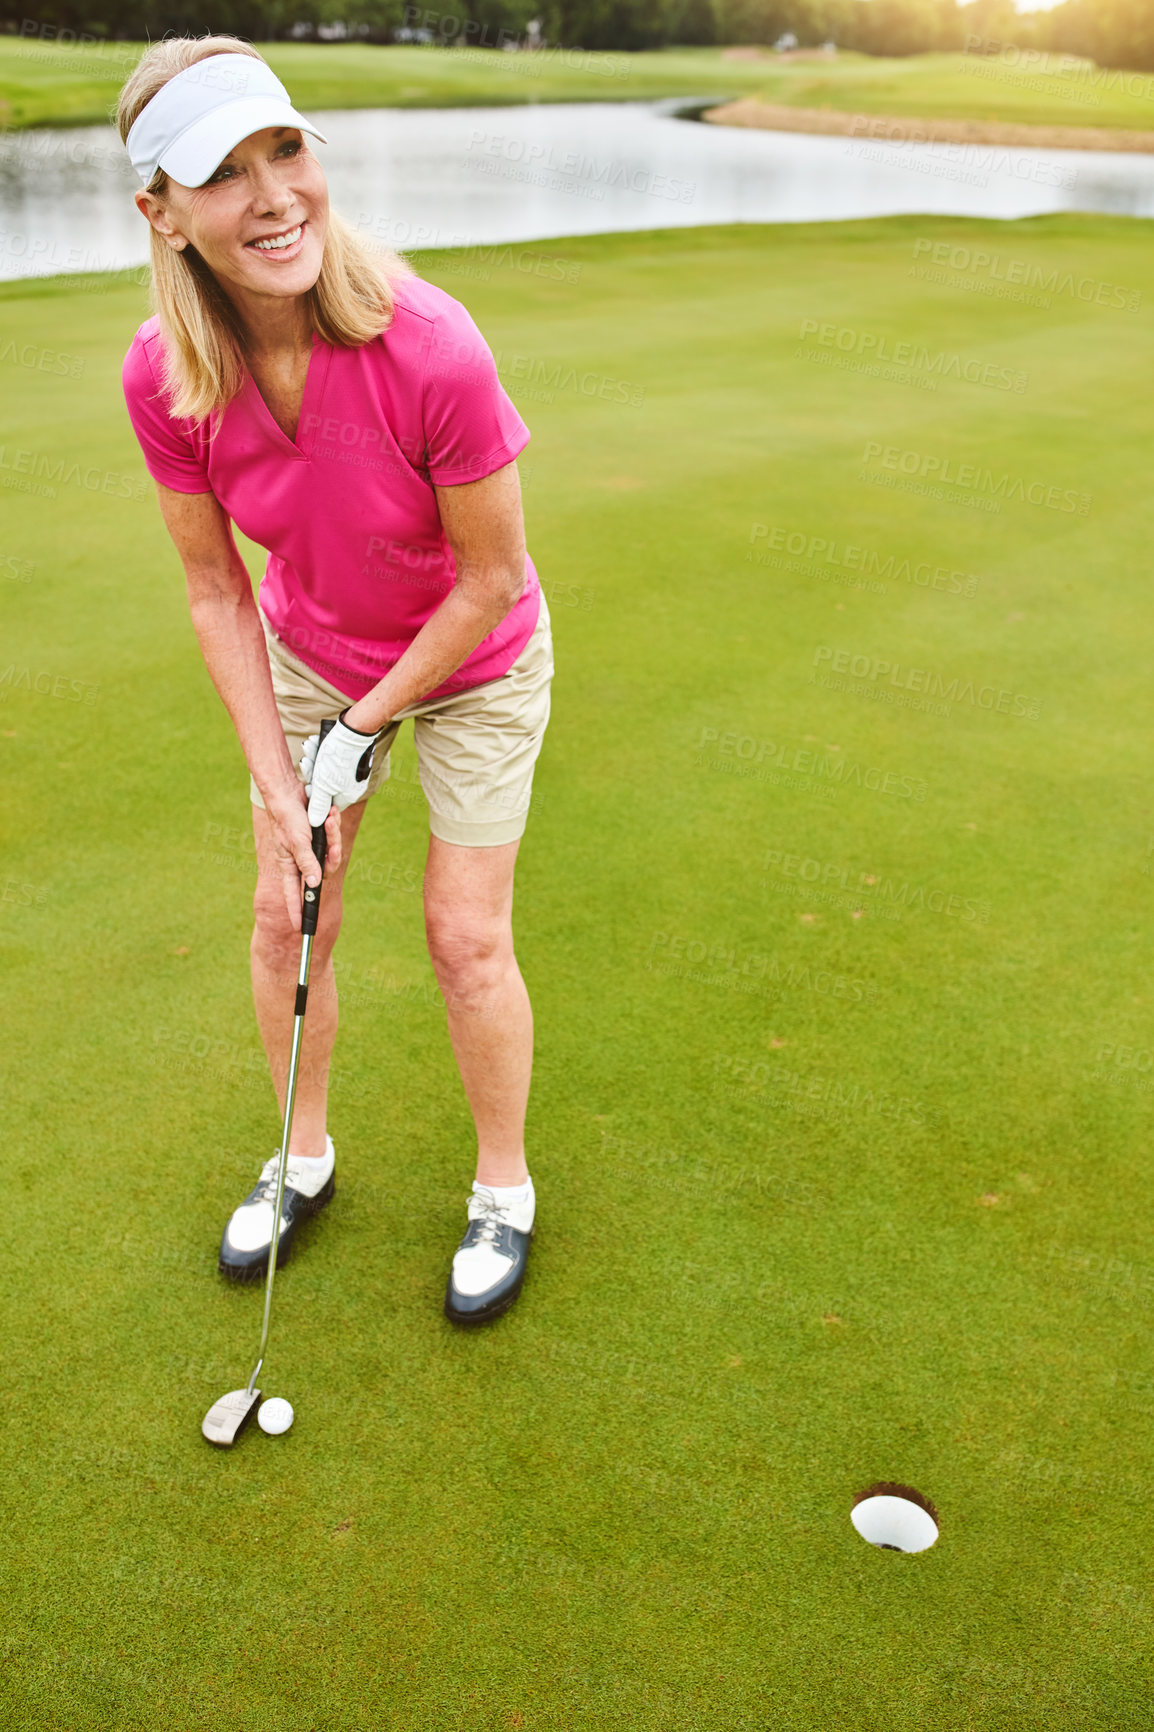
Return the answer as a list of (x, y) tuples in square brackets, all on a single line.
[(226, 1418)]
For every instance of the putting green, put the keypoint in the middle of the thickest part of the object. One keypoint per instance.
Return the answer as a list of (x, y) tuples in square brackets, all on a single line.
[(833, 907)]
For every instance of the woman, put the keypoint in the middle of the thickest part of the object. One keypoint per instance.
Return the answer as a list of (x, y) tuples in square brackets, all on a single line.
[(348, 417)]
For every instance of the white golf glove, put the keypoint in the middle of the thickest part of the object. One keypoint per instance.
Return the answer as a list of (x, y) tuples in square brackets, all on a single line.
[(338, 773)]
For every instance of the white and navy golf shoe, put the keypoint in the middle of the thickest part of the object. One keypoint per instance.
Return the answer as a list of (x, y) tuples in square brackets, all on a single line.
[(308, 1186), (489, 1264)]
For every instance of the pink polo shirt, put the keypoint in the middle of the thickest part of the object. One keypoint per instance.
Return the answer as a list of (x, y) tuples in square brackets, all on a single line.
[(357, 558)]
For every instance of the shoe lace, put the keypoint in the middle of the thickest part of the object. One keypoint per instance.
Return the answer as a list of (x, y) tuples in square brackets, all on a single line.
[(491, 1215), (266, 1186)]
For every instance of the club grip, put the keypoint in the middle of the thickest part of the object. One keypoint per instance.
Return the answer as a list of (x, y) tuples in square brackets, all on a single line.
[(311, 906)]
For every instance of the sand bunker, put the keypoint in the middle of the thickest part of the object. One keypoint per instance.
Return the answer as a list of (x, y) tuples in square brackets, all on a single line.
[(907, 129)]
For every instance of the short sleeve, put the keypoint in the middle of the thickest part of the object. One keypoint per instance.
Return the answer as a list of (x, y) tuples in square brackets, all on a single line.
[(170, 449), (471, 426)]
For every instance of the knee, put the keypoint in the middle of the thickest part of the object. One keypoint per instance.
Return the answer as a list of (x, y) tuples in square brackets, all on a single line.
[(274, 937), (469, 957)]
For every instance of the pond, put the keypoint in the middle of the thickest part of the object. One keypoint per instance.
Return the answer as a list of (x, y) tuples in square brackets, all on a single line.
[(464, 177)]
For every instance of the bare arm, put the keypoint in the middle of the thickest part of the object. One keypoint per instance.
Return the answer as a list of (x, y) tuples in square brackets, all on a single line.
[(483, 523), (231, 638)]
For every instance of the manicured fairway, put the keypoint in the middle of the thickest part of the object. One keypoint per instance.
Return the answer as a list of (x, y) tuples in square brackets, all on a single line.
[(845, 1043), (43, 84), (1013, 85)]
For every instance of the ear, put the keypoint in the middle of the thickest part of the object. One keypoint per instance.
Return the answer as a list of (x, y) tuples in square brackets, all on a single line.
[(157, 215)]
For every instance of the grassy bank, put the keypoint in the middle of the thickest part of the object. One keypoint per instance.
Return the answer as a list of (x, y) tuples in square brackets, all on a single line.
[(1061, 91), (834, 909), (41, 84), (44, 86)]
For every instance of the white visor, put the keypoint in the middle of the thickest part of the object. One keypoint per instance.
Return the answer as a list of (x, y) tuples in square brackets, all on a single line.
[(195, 119)]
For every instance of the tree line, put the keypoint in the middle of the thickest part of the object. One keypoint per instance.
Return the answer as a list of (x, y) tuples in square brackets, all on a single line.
[(1114, 33)]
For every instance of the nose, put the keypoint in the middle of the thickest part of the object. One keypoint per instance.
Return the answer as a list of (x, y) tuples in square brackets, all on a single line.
[(270, 196)]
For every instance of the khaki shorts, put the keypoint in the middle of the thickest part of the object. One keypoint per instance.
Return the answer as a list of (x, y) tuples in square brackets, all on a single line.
[(476, 749)]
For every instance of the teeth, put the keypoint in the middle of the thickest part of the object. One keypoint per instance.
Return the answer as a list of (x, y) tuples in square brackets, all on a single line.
[(280, 241)]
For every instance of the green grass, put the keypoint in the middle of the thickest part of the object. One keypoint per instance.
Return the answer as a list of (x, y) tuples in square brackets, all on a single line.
[(627, 1503), (1061, 91), (43, 85)]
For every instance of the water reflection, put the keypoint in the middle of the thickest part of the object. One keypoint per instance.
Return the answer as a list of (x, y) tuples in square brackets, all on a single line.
[(479, 176)]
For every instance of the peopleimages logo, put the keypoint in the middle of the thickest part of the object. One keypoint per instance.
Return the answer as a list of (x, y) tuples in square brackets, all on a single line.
[(926, 681), (41, 472), (42, 360), (1022, 273), (1069, 66), (971, 477), (528, 159), (542, 379), (744, 754), (866, 561), (867, 888), (917, 357), (952, 153)]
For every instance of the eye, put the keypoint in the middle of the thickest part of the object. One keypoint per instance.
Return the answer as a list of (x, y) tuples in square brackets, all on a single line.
[(228, 171)]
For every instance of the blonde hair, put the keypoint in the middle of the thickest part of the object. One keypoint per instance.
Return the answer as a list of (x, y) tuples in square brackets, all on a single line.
[(204, 369)]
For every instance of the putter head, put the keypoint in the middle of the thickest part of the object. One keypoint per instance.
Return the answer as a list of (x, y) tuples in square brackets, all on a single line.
[(226, 1418)]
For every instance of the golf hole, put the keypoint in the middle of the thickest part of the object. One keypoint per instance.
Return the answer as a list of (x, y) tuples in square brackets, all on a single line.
[(895, 1517)]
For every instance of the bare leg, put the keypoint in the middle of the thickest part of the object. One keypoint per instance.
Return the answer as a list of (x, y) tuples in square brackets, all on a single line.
[(469, 924), (276, 953)]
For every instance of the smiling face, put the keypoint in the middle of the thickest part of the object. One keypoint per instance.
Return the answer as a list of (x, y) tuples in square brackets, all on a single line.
[(259, 221)]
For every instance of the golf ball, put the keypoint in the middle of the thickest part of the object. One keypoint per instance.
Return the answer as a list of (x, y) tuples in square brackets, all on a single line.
[(274, 1416)]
